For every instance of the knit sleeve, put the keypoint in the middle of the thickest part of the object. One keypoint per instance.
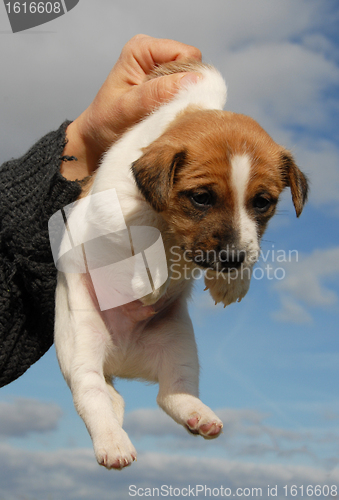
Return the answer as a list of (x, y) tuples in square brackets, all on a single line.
[(31, 191)]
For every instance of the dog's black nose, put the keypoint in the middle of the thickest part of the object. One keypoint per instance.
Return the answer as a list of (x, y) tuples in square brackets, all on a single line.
[(232, 260), (240, 257)]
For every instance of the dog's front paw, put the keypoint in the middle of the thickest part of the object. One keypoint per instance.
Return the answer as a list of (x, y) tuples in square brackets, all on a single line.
[(115, 451), (228, 287), (207, 428)]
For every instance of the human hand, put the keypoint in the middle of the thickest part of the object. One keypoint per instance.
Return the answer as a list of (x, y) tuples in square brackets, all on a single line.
[(124, 99)]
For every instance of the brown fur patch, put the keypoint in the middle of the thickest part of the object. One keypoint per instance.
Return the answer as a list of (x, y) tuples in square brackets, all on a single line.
[(187, 66)]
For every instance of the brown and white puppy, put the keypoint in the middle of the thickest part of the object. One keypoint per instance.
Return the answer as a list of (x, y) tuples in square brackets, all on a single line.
[(207, 180)]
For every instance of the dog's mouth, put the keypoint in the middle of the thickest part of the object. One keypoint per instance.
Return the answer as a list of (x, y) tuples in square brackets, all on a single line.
[(218, 267), (230, 263)]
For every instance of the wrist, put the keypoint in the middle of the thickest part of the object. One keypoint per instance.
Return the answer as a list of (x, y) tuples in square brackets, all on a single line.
[(80, 147)]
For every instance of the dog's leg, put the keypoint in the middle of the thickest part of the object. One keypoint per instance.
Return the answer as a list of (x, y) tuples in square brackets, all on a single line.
[(82, 343), (117, 401), (178, 377)]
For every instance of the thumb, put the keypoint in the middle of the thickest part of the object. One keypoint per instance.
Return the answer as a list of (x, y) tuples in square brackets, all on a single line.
[(162, 89), (144, 98)]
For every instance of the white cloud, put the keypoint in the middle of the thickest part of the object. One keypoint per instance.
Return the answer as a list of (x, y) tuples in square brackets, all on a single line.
[(74, 474), (291, 311), (149, 422), (224, 23), (246, 435), (154, 422), (308, 283), (320, 160), (281, 82), (22, 416), (231, 460)]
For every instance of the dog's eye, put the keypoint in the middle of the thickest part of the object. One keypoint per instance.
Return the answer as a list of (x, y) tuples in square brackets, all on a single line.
[(202, 199), (261, 204)]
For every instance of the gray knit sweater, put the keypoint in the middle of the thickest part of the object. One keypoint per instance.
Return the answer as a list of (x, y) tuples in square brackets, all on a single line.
[(31, 191)]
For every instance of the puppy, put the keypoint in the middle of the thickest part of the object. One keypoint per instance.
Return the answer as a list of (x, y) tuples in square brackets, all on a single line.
[(189, 177)]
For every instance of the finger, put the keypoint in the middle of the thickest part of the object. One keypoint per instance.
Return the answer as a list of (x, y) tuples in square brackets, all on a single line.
[(162, 89), (148, 96), (165, 50), (145, 52)]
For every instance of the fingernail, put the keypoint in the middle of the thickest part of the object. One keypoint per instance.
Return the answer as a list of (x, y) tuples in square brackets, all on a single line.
[(190, 78)]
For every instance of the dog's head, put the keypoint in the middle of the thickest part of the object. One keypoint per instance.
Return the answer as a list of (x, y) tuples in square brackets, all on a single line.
[(216, 178)]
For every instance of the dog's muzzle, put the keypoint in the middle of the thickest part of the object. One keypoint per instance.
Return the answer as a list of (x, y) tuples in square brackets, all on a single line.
[(223, 261)]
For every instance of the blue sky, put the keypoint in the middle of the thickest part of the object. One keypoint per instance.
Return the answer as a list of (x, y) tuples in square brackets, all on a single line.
[(269, 364)]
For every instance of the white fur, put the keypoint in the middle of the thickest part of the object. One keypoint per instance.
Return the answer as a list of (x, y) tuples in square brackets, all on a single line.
[(132, 341), (241, 171)]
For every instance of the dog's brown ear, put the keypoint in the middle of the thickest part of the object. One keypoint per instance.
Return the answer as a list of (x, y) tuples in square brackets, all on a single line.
[(296, 180), (154, 173)]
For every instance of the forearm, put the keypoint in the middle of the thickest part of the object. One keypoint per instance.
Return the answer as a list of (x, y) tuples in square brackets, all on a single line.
[(31, 191)]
